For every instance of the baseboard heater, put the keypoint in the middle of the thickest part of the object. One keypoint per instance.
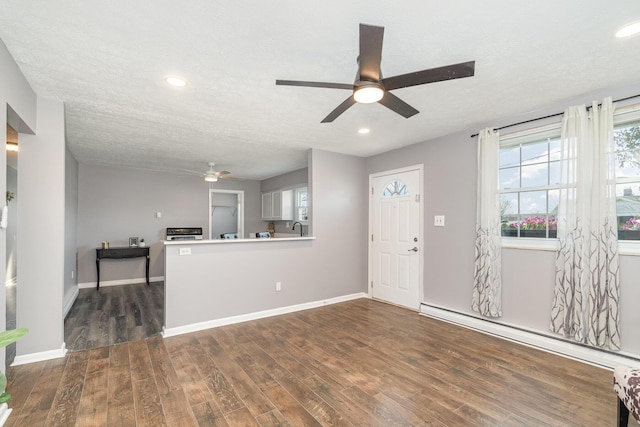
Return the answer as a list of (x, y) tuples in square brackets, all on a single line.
[(532, 338)]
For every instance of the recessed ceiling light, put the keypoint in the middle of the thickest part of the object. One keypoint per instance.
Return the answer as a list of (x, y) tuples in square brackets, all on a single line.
[(628, 30), (363, 131), (175, 81)]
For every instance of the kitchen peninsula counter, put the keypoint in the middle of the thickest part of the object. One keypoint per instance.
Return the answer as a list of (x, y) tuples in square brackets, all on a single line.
[(214, 282), (250, 240)]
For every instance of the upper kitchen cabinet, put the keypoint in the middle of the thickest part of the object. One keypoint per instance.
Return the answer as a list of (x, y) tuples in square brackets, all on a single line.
[(277, 205)]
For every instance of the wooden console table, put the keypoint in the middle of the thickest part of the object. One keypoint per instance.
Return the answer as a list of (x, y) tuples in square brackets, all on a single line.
[(120, 253)]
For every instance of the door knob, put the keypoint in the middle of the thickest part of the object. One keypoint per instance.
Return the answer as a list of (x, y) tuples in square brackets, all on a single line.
[(415, 249)]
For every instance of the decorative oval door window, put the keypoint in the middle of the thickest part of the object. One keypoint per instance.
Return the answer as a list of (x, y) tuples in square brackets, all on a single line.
[(395, 189)]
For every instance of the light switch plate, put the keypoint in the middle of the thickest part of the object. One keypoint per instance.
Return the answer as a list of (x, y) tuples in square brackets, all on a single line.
[(438, 220)]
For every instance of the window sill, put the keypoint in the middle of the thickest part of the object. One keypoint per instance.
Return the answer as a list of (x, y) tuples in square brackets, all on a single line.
[(530, 243), (629, 247), (625, 247)]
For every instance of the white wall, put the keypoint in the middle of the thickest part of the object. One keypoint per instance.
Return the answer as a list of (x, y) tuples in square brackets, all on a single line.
[(18, 107), (115, 204), (41, 232), (528, 276)]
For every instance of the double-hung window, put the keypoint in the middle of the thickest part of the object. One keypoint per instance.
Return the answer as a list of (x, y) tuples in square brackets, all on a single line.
[(529, 182), (530, 179), (626, 135), (301, 204)]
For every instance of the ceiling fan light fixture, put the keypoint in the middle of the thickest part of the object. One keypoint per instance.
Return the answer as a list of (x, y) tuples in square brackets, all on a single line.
[(211, 178), (368, 94), (628, 30)]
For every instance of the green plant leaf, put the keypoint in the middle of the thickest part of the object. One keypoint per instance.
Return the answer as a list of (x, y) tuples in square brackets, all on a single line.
[(5, 397), (3, 382), (8, 337)]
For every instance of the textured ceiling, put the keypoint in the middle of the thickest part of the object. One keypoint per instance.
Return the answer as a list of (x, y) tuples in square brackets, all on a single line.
[(106, 61)]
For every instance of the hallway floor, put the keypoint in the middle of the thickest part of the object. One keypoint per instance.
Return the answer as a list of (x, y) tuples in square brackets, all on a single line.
[(114, 314)]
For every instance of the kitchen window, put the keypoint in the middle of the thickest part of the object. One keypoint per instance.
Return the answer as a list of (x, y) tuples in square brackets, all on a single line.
[(301, 208)]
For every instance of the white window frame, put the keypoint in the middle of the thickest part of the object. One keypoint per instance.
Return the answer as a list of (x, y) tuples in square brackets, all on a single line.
[(622, 115), (297, 206), (515, 139)]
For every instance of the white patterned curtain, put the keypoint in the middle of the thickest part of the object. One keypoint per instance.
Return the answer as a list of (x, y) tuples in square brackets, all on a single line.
[(487, 280), (586, 295)]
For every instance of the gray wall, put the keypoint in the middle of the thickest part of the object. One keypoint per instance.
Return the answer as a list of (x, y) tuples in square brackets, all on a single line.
[(70, 229), (292, 179), (115, 204), (12, 227), (41, 231), (230, 279), (17, 107), (528, 276)]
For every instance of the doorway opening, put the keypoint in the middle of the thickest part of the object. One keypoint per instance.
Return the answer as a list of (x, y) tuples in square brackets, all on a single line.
[(11, 277), (226, 214)]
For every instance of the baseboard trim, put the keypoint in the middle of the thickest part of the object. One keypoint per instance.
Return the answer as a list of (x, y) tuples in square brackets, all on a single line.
[(103, 284), (5, 411), (40, 357), (535, 339), (69, 303), (194, 327)]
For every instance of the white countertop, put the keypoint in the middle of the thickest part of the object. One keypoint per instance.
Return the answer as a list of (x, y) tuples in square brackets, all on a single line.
[(226, 241)]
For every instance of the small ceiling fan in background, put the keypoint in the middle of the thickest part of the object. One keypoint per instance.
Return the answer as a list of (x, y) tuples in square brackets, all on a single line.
[(370, 86), (212, 175)]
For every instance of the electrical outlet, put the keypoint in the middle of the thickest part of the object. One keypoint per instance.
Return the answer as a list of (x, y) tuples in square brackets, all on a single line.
[(278, 286), (185, 251), (438, 221), (158, 214)]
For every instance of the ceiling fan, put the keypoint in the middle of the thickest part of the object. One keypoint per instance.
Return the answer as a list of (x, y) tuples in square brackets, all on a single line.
[(370, 86), (212, 175)]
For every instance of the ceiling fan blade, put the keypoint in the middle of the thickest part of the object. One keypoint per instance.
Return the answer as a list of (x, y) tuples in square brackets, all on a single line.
[(222, 173), (432, 75), (339, 110), (370, 52), (396, 104), (314, 84)]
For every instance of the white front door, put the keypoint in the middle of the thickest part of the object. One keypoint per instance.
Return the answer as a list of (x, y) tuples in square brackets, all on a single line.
[(395, 228)]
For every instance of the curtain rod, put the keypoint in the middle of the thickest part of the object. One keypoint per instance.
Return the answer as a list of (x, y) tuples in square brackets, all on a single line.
[(550, 115)]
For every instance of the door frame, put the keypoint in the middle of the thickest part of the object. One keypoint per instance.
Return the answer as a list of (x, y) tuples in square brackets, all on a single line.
[(421, 232), (240, 195)]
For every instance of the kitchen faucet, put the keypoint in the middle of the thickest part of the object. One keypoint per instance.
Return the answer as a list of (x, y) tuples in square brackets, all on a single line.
[(294, 227)]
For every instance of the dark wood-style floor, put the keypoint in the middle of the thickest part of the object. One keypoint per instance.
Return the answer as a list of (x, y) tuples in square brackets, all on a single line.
[(114, 314), (361, 363)]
